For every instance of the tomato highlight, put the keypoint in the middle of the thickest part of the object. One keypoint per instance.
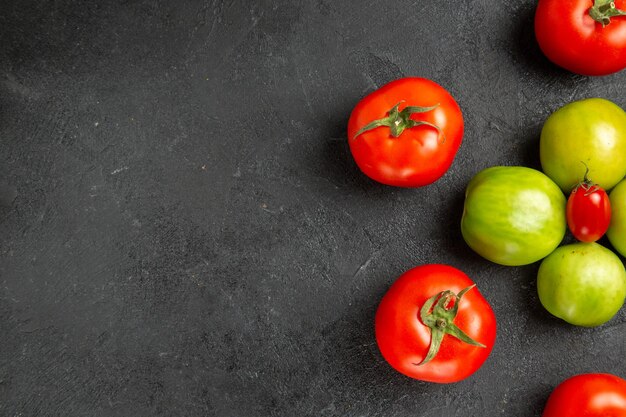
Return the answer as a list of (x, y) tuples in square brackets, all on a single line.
[(593, 131), (589, 395)]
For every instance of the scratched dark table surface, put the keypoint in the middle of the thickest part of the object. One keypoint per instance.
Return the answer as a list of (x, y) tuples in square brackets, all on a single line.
[(183, 231)]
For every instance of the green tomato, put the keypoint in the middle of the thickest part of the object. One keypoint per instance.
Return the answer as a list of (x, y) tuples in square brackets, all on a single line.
[(617, 228), (513, 215), (588, 132), (582, 283)]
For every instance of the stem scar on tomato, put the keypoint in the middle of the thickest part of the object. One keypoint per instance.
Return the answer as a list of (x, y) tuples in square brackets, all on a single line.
[(603, 10), (397, 121), (437, 314)]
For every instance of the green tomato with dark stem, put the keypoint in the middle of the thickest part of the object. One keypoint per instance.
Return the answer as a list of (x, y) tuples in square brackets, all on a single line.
[(513, 215), (617, 228), (587, 133), (582, 283)]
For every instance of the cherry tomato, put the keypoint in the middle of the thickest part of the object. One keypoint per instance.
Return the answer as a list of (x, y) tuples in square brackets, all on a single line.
[(587, 37), (588, 395), (406, 133), (434, 325), (588, 212)]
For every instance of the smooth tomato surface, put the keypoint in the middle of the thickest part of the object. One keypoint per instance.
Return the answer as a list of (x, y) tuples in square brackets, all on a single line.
[(404, 340), (588, 212), (513, 215), (617, 228), (421, 154), (572, 39), (588, 395), (582, 283), (590, 133)]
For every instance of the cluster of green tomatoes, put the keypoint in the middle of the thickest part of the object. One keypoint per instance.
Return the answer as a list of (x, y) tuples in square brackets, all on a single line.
[(517, 215)]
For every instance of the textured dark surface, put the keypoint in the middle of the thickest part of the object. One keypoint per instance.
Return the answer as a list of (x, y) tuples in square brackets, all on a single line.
[(183, 231)]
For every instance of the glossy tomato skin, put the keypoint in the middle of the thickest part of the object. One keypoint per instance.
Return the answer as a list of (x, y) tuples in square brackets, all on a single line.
[(588, 213), (513, 215), (420, 155), (588, 395), (572, 39), (591, 131), (404, 340), (582, 283)]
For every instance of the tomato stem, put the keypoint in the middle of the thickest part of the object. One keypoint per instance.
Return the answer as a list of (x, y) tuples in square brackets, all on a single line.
[(439, 318), (603, 10), (397, 121), (586, 184)]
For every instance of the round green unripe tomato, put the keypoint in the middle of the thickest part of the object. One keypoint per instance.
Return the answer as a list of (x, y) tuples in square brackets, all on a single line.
[(589, 132), (513, 215), (582, 283), (617, 228)]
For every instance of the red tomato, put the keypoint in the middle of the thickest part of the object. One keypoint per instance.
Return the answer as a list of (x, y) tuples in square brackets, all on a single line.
[(588, 212), (583, 36), (406, 133), (433, 325), (588, 395)]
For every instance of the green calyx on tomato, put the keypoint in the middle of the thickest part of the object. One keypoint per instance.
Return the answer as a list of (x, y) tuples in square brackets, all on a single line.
[(397, 121), (438, 315), (586, 183), (417, 156), (603, 10)]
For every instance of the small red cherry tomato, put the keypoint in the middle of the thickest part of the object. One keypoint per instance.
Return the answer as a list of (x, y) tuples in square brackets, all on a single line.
[(406, 133), (434, 325), (587, 37), (588, 395), (588, 212)]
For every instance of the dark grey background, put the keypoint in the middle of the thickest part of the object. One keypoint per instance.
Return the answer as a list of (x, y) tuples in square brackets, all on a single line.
[(183, 231)]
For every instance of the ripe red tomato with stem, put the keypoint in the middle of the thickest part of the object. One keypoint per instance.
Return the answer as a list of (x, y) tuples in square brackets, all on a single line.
[(406, 133), (587, 37), (434, 325), (588, 211), (588, 395)]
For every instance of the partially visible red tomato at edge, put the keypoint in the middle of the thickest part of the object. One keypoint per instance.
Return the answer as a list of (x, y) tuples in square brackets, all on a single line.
[(420, 154), (588, 212), (588, 395), (571, 38), (404, 340)]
